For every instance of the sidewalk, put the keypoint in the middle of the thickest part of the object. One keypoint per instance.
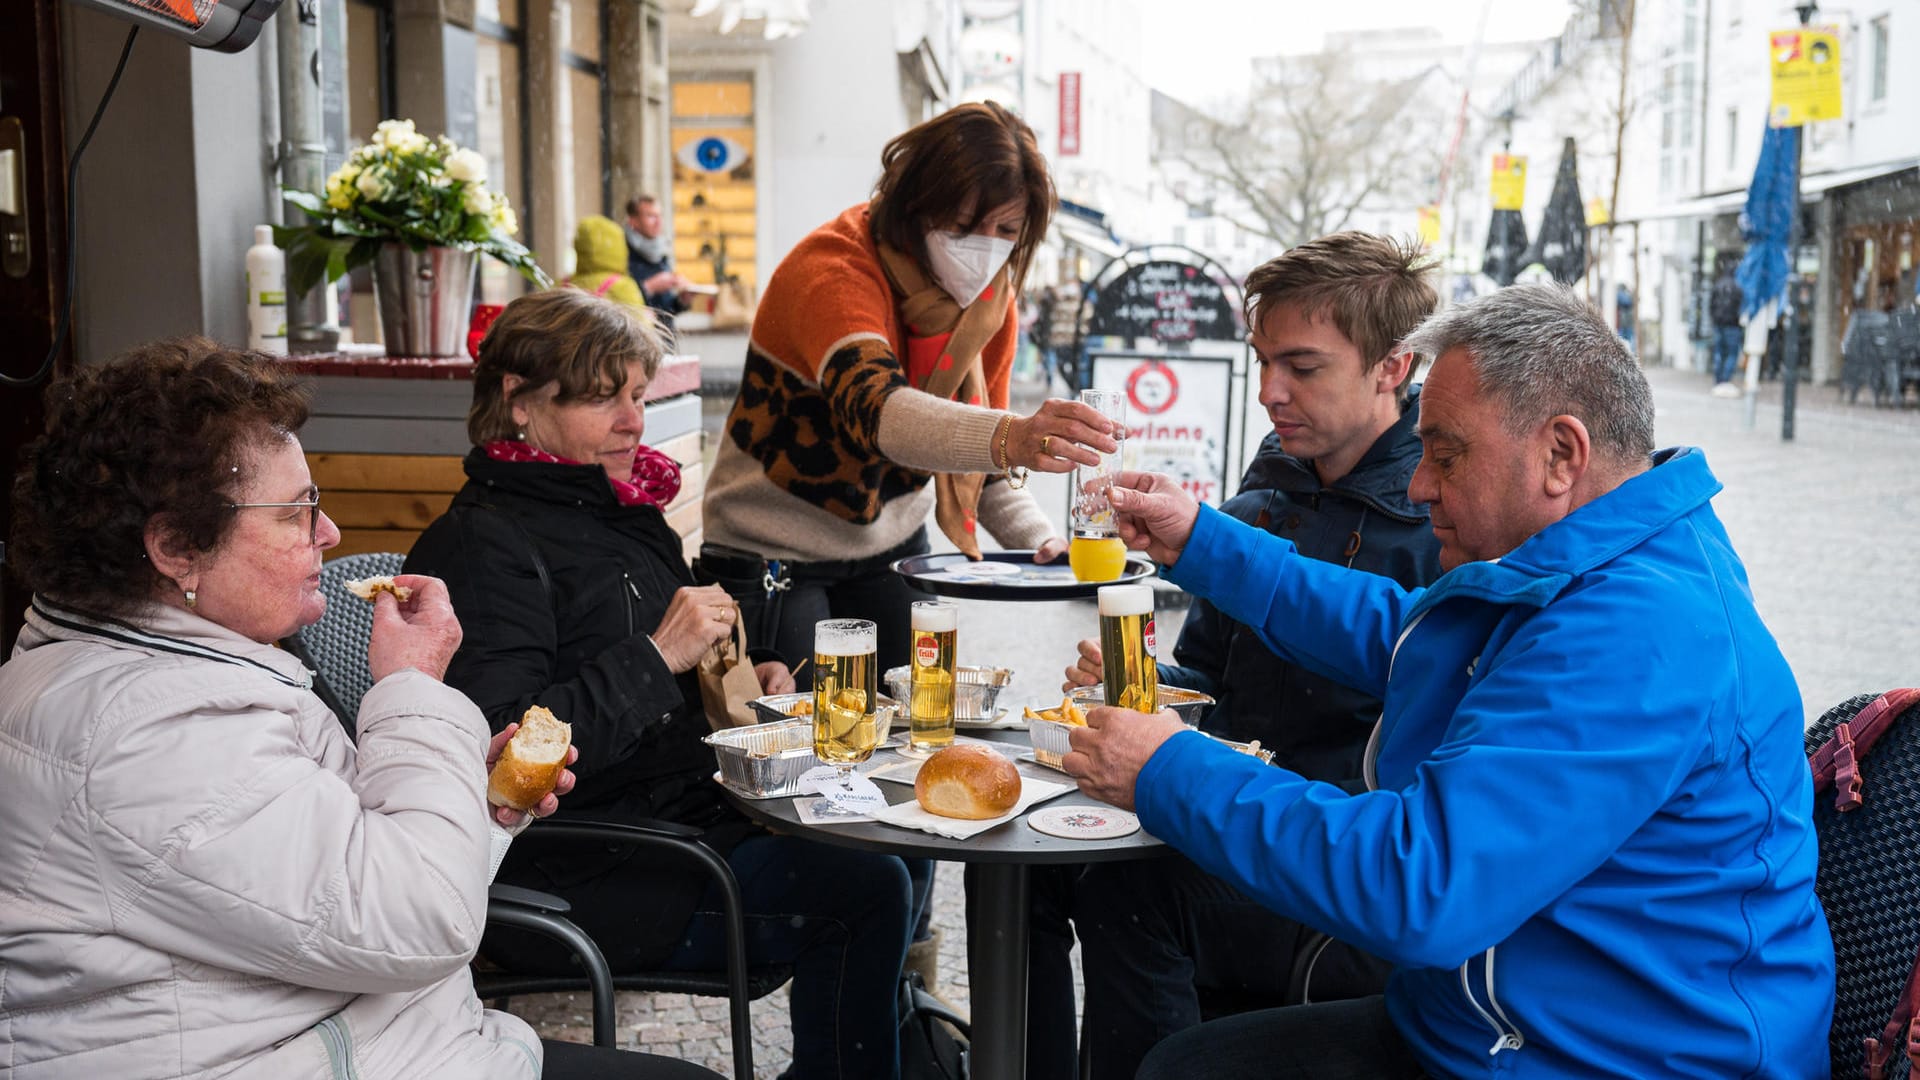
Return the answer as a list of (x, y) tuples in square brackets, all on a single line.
[(1829, 527)]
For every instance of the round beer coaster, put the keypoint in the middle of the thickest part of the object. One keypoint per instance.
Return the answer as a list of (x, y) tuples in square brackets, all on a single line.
[(1084, 822)]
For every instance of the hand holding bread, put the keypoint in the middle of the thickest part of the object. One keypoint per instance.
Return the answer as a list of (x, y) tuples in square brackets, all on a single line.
[(967, 782), (418, 632), (527, 766)]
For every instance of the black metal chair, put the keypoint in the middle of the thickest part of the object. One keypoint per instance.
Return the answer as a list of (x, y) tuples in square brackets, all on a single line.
[(336, 649)]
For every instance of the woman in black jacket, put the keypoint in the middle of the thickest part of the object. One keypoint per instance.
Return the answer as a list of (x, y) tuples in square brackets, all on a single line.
[(573, 594)]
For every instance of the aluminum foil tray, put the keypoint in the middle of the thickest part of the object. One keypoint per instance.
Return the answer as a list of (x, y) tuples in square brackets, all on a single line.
[(1186, 704), (775, 708), (975, 690), (764, 761)]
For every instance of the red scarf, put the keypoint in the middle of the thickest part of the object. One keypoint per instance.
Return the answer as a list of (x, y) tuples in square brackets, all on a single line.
[(656, 477)]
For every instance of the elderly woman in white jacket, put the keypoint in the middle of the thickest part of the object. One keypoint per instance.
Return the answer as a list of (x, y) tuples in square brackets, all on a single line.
[(200, 875)]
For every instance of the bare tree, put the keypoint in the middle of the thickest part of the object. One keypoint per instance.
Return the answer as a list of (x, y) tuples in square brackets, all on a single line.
[(1315, 144)]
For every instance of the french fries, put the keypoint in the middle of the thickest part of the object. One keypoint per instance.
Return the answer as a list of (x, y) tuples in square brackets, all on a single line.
[(1067, 713), (803, 707)]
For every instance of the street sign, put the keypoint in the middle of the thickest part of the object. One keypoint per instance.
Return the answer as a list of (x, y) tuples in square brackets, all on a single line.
[(1069, 113), (1806, 76), (1170, 302), (1178, 416), (1509, 184)]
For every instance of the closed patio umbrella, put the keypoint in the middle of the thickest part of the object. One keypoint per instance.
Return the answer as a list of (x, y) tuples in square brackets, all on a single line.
[(1773, 198), (1561, 244)]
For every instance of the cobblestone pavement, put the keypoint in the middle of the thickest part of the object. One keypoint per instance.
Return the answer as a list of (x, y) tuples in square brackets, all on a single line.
[(1826, 524)]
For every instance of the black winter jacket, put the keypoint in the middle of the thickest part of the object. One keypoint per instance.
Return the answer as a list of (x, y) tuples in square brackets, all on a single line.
[(1315, 726), (567, 630)]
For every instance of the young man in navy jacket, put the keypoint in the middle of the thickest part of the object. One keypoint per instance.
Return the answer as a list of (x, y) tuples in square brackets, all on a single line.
[(1586, 849)]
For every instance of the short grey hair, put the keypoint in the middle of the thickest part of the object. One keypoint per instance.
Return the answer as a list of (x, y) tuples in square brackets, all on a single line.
[(1542, 351)]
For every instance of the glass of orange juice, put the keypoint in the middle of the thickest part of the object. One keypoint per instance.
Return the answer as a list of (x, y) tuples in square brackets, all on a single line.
[(1095, 550)]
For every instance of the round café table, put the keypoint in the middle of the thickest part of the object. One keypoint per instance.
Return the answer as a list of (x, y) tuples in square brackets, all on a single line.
[(997, 911)]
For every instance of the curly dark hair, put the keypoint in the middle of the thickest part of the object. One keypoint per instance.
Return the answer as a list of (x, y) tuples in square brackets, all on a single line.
[(166, 430)]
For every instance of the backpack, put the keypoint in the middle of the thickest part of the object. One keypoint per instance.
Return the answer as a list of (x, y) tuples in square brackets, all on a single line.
[(1869, 876), (933, 1038)]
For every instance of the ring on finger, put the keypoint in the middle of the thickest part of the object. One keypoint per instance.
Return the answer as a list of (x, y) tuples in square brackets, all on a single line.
[(1045, 441)]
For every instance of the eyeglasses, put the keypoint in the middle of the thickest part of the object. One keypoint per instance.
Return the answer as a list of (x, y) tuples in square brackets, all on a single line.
[(311, 503)]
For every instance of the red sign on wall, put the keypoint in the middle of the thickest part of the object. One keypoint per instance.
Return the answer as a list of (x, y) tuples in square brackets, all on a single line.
[(1069, 113)]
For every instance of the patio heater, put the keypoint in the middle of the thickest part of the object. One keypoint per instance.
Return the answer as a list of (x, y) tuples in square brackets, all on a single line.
[(222, 25)]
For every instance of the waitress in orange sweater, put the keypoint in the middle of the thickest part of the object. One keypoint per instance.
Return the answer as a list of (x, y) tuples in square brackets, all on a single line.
[(875, 390)]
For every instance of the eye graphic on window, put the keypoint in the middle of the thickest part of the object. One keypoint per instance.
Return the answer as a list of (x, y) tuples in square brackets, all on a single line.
[(714, 154)]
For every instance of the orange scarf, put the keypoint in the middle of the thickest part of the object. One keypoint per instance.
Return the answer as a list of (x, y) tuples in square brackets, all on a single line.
[(928, 310)]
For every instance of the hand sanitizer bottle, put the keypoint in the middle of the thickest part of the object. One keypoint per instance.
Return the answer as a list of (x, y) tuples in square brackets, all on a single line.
[(266, 294)]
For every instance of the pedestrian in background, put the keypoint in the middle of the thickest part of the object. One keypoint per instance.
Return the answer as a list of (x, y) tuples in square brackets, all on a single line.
[(650, 256), (1724, 308)]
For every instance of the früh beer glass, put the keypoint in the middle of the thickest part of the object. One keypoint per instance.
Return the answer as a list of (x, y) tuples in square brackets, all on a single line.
[(1095, 550), (1127, 666), (845, 690), (935, 623)]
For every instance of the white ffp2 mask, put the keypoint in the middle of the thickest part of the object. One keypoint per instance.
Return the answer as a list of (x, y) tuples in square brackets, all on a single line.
[(965, 265)]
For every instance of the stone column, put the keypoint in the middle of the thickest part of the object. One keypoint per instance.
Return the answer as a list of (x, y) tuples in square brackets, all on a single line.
[(636, 58)]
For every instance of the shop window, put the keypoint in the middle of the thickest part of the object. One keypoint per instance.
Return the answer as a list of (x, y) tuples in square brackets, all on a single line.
[(715, 203)]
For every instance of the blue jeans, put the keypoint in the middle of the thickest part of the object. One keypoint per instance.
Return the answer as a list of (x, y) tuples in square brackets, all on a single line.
[(1160, 935), (1726, 352), (1337, 1040), (842, 919)]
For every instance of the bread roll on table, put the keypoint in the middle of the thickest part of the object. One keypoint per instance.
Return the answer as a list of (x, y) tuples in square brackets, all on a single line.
[(969, 782)]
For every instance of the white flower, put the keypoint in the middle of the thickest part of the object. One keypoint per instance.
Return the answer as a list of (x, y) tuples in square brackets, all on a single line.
[(476, 200), (504, 219), (393, 134), (375, 183), (467, 165)]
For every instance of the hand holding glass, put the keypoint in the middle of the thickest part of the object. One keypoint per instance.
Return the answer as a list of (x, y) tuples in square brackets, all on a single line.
[(846, 677), (1095, 550)]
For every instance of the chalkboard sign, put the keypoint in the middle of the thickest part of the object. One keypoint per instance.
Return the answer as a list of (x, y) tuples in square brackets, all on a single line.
[(1169, 302)]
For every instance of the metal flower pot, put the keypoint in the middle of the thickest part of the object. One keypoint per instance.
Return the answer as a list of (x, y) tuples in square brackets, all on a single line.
[(424, 299)]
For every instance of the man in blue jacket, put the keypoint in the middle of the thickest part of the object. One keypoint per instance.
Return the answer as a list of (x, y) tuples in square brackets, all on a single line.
[(1159, 936), (1587, 845)]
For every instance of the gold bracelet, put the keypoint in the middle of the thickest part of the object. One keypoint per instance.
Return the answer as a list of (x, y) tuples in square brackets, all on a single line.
[(1016, 477)]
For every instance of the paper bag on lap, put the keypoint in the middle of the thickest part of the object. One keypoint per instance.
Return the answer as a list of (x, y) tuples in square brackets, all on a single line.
[(727, 681)]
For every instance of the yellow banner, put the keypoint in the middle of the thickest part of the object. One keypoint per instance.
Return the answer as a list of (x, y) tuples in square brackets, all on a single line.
[(1509, 181), (1806, 76), (1597, 211), (1430, 225)]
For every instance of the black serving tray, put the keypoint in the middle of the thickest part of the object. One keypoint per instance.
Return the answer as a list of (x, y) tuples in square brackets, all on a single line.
[(1009, 575)]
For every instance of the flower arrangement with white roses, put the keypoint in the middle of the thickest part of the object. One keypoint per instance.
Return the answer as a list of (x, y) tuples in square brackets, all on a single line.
[(401, 186)]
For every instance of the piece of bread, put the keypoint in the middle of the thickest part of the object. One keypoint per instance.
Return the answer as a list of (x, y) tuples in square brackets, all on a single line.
[(969, 782), (532, 761), (368, 588)]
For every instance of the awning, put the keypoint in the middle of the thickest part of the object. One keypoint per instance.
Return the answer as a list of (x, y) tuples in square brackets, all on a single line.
[(1813, 187), (1084, 234), (1705, 206), (1814, 183)]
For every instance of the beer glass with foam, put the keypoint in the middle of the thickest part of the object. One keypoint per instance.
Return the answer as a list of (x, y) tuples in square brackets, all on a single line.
[(935, 623), (845, 690), (1095, 550), (1126, 647)]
